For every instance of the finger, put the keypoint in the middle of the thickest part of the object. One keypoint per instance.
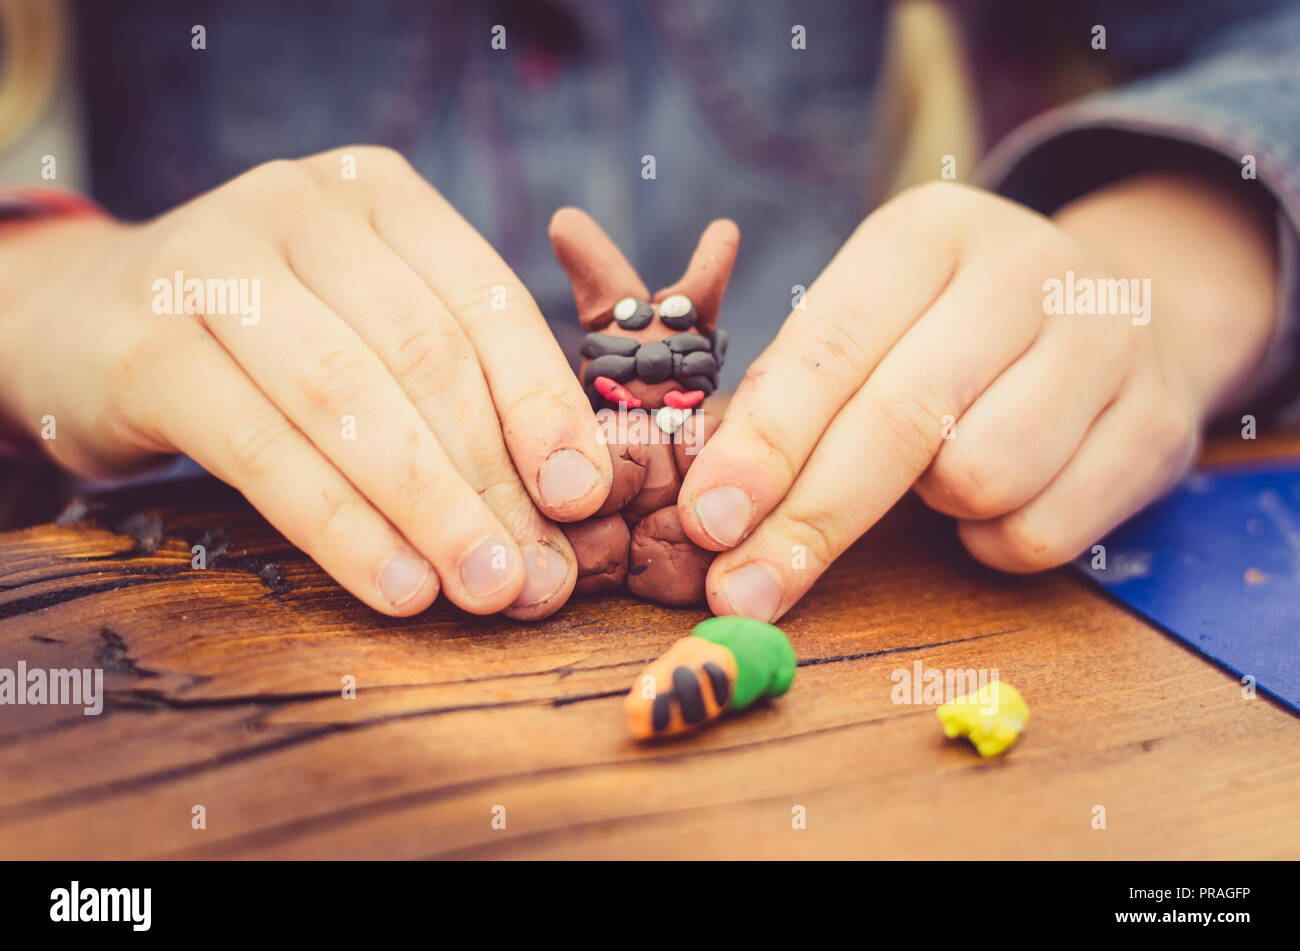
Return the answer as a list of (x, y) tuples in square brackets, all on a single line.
[(235, 433), (1023, 429), (548, 423), (886, 276), (338, 393), (344, 263), (882, 440), (1138, 447)]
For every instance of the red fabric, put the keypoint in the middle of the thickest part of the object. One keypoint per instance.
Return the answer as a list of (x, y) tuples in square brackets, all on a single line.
[(43, 202)]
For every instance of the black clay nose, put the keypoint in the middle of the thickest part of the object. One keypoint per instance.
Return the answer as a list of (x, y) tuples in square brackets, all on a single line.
[(654, 362)]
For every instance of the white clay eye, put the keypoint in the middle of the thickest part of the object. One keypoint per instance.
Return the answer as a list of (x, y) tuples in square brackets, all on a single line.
[(677, 311), (632, 313)]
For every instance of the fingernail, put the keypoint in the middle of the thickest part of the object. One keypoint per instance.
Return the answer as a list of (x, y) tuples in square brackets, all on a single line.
[(402, 577), (725, 513), (566, 475), (487, 567), (753, 591), (544, 572)]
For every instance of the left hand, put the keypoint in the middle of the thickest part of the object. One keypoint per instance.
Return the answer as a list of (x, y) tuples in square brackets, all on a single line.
[(925, 357)]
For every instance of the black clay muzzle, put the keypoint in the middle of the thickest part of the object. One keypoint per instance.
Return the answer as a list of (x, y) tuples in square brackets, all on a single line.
[(692, 359)]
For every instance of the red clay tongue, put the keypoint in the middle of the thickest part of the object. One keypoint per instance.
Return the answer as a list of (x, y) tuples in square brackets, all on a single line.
[(679, 400), (616, 392)]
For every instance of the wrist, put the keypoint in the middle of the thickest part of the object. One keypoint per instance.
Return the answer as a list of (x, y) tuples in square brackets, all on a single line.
[(1211, 256), (40, 259)]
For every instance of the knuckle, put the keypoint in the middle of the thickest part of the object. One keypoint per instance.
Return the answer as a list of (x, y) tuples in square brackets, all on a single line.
[(772, 437), (1025, 256), (1109, 347), (338, 520), (368, 156), (827, 346), (820, 532), (1034, 544), (429, 357), (911, 426), (972, 485), (936, 194), (928, 194), (1029, 251), (432, 498), (301, 223), (545, 402), (284, 179), (505, 496), (336, 382), (170, 244), (254, 443), (1172, 428), (387, 160), (283, 195), (492, 300), (130, 360)]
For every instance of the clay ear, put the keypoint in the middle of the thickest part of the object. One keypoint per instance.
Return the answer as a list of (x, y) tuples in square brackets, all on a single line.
[(705, 280), (600, 274)]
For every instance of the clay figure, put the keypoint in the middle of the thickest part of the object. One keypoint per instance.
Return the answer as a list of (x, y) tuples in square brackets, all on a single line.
[(647, 364)]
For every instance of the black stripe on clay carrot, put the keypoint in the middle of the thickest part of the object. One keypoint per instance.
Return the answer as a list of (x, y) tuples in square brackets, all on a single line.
[(719, 682), (686, 684)]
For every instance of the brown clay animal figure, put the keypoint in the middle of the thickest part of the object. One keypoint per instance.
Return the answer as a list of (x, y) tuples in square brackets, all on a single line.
[(648, 362)]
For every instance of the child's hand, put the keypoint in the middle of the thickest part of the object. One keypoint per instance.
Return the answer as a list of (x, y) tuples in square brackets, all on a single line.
[(931, 323), (369, 400)]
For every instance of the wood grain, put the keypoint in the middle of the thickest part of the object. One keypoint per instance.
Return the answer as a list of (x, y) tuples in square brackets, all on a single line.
[(224, 689)]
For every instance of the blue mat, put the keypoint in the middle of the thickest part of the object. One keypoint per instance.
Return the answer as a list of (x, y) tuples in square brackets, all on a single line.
[(1217, 564)]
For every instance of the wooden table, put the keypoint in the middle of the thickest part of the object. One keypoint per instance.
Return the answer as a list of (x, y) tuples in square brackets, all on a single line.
[(225, 691)]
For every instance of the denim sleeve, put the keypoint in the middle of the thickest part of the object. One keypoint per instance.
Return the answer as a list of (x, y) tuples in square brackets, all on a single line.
[(1230, 108)]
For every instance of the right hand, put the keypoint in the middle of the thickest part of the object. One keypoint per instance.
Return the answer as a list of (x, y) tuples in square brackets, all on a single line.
[(399, 410)]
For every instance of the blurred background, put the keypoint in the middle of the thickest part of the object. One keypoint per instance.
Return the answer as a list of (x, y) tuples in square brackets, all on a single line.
[(793, 118)]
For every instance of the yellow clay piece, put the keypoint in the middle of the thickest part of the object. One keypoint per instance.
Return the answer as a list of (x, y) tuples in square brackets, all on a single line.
[(991, 717)]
